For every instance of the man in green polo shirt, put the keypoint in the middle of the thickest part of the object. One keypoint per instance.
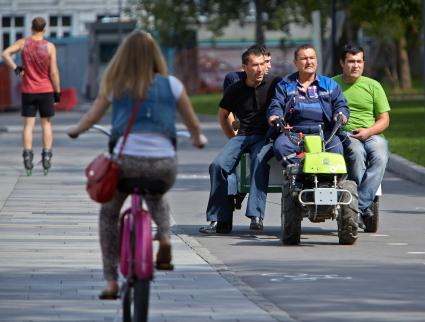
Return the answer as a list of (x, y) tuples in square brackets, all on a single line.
[(367, 151)]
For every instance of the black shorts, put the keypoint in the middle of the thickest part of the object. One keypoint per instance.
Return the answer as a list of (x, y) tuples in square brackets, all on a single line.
[(31, 103)]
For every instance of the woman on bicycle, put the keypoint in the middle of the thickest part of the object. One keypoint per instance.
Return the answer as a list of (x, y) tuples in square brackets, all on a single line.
[(138, 70)]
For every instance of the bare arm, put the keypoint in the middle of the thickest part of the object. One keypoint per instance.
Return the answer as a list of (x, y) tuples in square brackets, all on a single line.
[(236, 124), (93, 116), (54, 71), (184, 106), (226, 118), (8, 52), (381, 123)]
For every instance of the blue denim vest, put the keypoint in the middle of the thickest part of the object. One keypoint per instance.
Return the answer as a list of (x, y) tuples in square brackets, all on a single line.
[(157, 113)]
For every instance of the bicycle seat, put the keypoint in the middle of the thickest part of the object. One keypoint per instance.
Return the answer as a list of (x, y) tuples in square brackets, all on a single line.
[(129, 185)]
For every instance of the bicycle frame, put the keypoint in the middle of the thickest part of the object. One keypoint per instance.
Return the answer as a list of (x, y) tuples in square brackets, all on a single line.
[(136, 261), (136, 241)]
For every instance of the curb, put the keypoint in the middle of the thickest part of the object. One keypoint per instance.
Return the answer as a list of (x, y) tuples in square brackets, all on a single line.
[(406, 169)]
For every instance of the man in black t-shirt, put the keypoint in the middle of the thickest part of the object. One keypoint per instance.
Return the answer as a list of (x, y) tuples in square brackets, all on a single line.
[(234, 77), (248, 99)]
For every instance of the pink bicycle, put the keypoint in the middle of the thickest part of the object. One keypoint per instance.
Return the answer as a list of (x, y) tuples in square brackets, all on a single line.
[(136, 256)]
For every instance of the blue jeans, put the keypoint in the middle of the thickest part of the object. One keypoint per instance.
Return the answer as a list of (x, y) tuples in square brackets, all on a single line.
[(366, 166), (224, 164), (283, 147)]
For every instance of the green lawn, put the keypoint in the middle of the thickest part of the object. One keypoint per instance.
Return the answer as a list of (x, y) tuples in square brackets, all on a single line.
[(406, 134), (206, 104)]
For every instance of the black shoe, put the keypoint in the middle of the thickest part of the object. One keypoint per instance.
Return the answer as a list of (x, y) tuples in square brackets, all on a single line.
[(370, 220), (107, 295), (256, 223), (360, 221), (210, 229)]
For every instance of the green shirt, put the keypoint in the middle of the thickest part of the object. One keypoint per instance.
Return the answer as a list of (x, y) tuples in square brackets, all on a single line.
[(366, 99)]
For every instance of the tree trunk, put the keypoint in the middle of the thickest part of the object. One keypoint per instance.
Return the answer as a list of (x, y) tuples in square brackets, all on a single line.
[(259, 29), (403, 63)]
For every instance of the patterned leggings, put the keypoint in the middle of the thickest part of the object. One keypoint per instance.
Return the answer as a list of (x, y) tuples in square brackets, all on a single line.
[(157, 176)]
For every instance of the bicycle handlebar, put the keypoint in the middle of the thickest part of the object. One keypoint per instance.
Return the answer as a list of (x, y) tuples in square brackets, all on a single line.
[(101, 129)]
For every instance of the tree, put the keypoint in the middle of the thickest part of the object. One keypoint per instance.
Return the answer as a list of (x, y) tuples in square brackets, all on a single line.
[(172, 21), (395, 25), (177, 19)]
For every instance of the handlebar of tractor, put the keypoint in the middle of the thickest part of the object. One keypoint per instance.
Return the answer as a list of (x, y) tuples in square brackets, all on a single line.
[(336, 128), (278, 122)]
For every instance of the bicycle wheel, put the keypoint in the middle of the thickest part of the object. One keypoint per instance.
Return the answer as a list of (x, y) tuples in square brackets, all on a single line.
[(127, 300), (135, 301), (141, 300)]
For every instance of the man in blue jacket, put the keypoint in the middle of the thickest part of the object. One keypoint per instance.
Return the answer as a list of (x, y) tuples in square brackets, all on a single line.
[(306, 101)]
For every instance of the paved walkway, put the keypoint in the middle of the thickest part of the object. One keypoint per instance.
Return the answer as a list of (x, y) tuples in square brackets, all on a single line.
[(50, 260), (49, 255)]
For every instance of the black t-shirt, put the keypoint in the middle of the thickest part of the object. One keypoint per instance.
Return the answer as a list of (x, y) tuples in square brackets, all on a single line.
[(250, 104)]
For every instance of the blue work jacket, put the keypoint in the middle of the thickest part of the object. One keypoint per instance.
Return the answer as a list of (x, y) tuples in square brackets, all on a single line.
[(331, 98)]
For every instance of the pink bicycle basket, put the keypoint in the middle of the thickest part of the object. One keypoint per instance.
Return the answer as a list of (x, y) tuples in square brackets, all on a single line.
[(141, 266)]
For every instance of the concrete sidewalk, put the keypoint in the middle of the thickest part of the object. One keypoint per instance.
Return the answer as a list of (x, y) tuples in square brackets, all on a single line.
[(50, 260), (50, 263), (50, 266)]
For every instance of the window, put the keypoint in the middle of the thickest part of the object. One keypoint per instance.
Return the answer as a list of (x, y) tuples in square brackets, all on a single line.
[(66, 21), (12, 29), (60, 26), (19, 21), (6, 22), (6, 39), (53, 21)]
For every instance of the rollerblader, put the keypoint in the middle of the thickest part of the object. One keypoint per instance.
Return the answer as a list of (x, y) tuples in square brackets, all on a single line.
[(40, 88)]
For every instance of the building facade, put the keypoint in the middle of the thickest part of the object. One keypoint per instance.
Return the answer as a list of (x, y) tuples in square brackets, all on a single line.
[(65, 18)]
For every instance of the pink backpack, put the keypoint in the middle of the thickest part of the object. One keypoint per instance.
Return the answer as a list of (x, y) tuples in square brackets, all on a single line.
[(142, 267)]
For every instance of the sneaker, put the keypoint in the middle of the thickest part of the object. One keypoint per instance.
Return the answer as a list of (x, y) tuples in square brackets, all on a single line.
[(360, 221), (210, 229), (256, 223)]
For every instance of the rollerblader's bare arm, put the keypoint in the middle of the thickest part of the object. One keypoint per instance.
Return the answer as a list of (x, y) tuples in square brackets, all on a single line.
[(7, 56), (54, 71)]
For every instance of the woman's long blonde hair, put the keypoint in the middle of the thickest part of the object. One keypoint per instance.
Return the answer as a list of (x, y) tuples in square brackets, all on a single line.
[(133, 66)]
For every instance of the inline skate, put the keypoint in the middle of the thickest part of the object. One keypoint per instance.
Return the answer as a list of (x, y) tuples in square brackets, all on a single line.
[(28, 156), (46, 156)]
